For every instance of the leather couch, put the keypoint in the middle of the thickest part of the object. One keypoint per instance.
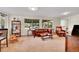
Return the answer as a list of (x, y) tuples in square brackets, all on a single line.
[(38, 32)]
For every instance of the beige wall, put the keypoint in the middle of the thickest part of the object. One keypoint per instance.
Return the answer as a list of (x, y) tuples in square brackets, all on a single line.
[(56, 22), (21, 18), (72, 20)]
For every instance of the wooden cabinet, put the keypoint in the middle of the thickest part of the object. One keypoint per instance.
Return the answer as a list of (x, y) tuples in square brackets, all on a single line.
[(16, 28), (72, 43)]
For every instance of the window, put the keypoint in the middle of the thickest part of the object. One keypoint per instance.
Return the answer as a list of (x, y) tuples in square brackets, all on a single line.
[(63, 23), (47, 24), (2, 22), (31, 23)]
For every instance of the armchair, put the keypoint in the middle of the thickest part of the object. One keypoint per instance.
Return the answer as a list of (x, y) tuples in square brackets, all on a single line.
[(60, 32)]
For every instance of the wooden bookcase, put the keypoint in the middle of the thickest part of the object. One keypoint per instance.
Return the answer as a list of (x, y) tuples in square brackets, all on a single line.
[(16, 28)]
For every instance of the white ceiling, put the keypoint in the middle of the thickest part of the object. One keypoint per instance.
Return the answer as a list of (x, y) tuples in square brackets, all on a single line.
[(41, 12)]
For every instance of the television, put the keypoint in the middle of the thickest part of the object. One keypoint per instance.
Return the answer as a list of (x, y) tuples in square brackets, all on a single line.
[(75, 31)]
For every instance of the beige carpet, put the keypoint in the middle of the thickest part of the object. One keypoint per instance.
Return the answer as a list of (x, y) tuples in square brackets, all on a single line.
[(31, 44)]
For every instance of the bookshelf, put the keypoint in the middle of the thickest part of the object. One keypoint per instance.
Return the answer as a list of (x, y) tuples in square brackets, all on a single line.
[(16, 28)]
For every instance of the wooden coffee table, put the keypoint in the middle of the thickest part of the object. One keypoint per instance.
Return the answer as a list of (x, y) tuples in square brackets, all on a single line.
[(46, 35)]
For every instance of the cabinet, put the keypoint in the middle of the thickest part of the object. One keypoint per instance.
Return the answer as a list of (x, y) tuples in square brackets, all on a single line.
[(16, 28)]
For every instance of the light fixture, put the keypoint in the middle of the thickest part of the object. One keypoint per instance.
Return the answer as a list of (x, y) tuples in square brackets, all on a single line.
[(65, 13), (3, 14), (33, 8)]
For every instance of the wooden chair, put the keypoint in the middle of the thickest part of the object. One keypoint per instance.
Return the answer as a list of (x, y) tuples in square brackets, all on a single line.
[(3, 36)]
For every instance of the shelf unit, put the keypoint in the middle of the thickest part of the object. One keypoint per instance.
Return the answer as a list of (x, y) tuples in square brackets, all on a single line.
[(16, 28)]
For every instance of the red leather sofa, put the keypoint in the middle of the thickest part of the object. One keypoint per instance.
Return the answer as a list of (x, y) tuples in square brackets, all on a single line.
[(38, 32)]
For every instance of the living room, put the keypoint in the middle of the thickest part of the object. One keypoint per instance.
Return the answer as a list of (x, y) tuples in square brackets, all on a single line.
[(40, 28)]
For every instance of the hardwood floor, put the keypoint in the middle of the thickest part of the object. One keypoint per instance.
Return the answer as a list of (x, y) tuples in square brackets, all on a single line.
[(31, 44)]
